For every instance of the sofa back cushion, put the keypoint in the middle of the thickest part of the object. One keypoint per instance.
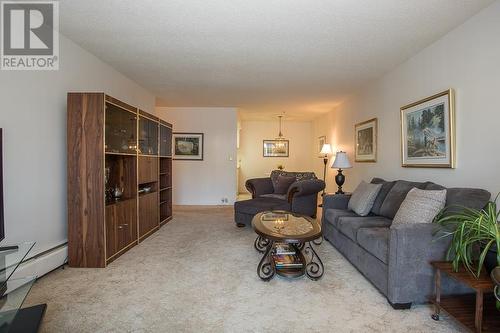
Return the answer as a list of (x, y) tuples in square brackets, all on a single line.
[(298, 175), (474, 198), (396, 196), (386, 187), (282, 184), (363, 197)]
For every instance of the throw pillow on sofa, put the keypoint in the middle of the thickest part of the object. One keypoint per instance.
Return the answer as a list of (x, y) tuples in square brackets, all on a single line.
[(363, 197), (282, 184), (420, 206)]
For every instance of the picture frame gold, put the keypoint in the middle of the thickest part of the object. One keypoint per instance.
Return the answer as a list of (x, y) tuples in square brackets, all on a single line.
[(429, 141), (275, 148), (365, 141)]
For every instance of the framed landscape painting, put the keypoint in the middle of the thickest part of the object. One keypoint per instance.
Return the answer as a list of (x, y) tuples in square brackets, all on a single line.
[(187, 146), (428, 132), (366, 141), (275, 148)]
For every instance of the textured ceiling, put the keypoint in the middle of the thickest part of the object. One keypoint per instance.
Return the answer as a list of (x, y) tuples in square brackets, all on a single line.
[(263, 56)]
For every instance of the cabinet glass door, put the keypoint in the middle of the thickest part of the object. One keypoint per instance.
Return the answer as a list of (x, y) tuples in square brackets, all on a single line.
[(121, 130), (165, 141), (148, 137)]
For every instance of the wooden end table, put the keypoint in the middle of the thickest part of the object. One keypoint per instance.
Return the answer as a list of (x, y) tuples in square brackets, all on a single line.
[(477, 312)]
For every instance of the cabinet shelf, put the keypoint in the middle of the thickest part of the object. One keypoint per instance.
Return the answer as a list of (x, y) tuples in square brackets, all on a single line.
[(120, 154), (117, 201)]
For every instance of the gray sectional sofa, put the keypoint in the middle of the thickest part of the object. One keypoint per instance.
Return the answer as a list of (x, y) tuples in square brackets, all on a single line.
[(394, 259)]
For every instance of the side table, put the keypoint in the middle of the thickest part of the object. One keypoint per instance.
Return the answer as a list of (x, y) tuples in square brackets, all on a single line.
[(477, 312)]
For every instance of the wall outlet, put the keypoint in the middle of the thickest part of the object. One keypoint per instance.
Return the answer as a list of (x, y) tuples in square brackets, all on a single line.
[(225, 200)]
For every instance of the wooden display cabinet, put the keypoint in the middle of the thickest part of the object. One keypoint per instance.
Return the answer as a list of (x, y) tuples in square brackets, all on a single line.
[(115, 177)]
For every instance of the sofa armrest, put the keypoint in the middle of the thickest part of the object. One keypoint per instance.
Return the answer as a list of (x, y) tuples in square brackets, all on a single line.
[(334, 201), (259, 186), (411, 249), (305, 187)]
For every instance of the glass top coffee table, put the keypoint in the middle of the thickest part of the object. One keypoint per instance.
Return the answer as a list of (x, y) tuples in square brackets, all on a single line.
[(287, 240)]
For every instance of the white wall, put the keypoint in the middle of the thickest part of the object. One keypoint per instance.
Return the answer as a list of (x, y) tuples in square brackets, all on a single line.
[(33, 118), (205, 182), (467, 60), (254, 165)]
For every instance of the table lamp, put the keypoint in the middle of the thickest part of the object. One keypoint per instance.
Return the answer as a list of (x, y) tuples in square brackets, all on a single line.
[(326, 150), (341, 162)]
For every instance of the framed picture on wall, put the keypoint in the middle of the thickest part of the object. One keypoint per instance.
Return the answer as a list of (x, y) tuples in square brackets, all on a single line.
[(275, 148), (187, 146), (321, 142), (366, 141), (428, 132)]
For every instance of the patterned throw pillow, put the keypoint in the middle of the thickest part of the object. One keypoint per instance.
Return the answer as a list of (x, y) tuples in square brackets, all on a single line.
[(420, 206), (363, 197)]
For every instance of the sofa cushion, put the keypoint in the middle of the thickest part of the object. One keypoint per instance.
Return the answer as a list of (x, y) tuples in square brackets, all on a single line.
[(468, 197), (420, 206), (298, 175), (332, 215), (375, 241), (282, 184), (257, 205), (433, 186), (275, 196), (349, 225), (363, 197), (396, 196), (386, 187)]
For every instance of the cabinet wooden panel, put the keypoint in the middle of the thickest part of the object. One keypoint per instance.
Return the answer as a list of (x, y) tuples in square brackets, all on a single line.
[(148, 169), (111, 247), (148, 213), (85, 159), (126, 223), (121, 226)]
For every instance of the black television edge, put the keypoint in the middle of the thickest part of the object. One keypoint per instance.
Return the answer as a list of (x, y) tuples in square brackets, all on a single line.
[(2, 231)]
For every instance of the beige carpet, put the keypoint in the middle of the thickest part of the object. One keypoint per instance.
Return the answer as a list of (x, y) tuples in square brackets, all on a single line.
[(198, 274)]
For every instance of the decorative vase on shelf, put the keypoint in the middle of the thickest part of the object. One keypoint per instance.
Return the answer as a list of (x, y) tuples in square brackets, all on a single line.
[(117, 192)]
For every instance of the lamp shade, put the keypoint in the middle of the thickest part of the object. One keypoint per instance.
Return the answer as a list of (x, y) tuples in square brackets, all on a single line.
[(326, 149), (341, 161)]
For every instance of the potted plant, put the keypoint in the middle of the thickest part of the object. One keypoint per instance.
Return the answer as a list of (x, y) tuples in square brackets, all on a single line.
[(475, 236)]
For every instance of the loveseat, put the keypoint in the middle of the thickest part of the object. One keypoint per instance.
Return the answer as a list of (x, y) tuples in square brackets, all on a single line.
[(394, 259), (301, 196)]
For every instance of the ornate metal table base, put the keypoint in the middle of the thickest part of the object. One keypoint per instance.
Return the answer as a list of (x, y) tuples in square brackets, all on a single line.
[(261, 244), (266, 269), (314, 266)]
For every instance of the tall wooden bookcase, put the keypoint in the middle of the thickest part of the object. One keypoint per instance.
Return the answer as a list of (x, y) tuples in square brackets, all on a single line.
[(119, 177)]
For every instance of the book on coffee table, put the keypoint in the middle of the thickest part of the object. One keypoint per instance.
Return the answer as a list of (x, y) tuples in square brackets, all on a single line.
[(287, 261), (284, 248)]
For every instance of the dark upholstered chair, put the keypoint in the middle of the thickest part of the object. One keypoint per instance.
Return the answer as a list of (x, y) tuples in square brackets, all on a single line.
[(301, 198)]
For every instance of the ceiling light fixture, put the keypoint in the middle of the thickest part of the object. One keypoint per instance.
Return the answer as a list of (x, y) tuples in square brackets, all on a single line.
[(281, 139)]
